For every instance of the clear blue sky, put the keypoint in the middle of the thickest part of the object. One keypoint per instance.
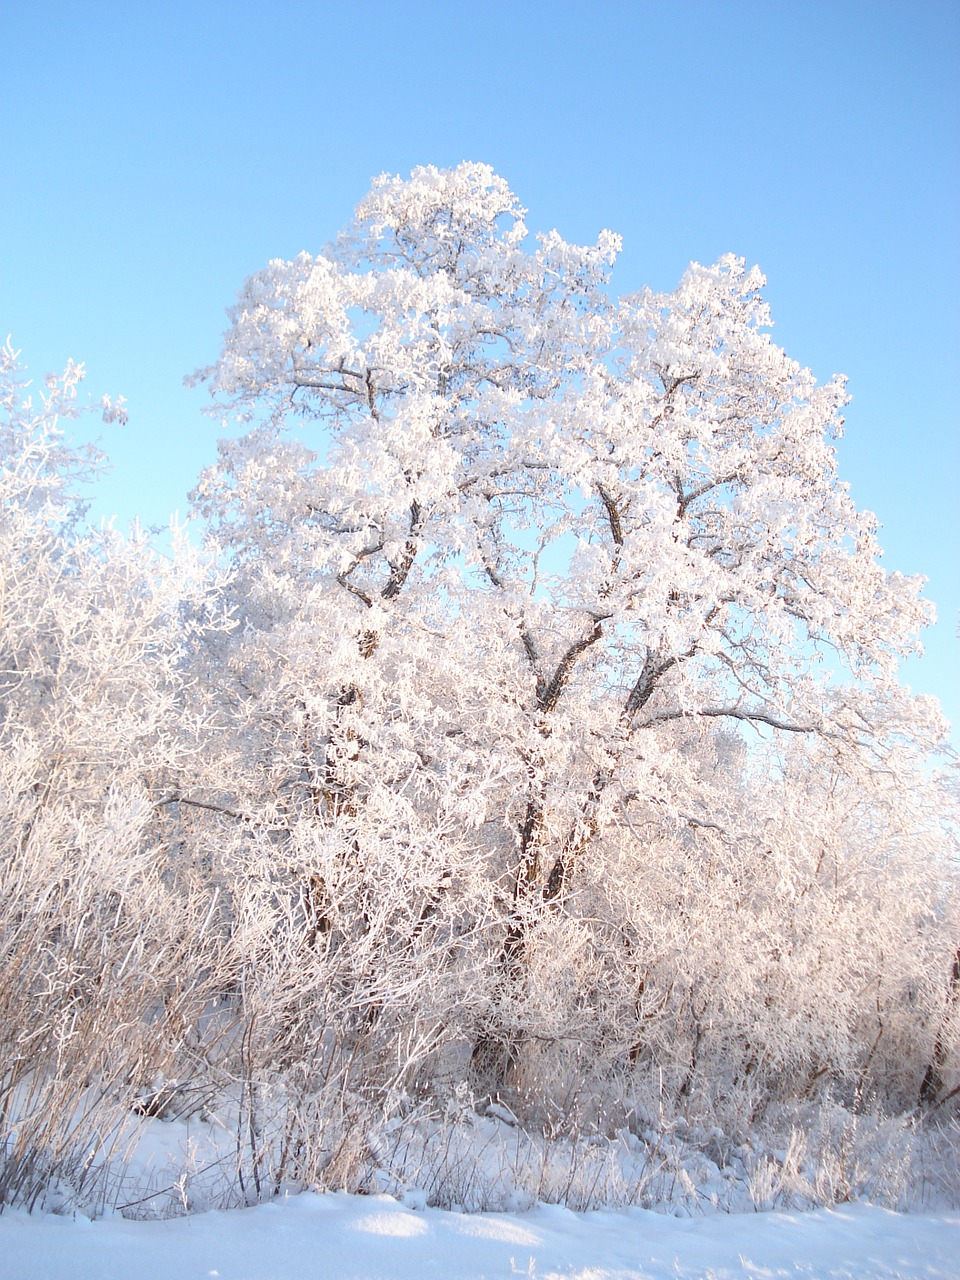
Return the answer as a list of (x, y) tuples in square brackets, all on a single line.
[(153, 155)]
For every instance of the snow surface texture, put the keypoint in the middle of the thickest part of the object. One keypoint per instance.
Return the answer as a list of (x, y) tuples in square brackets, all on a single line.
[(376, 1237)]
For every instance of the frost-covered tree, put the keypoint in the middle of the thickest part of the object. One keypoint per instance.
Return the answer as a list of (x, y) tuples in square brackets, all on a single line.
[(517, 566)]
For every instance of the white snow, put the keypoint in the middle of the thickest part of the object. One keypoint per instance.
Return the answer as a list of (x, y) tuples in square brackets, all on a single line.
[(310, 1236)]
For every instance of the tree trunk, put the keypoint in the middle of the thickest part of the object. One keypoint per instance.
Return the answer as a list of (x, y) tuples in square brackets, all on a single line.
[(932, 1084)]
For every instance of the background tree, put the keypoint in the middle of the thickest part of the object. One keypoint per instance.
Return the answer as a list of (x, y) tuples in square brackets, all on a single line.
[(107, 954)]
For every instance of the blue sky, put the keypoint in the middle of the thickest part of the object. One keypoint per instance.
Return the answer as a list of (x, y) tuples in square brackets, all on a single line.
[(153, 155)]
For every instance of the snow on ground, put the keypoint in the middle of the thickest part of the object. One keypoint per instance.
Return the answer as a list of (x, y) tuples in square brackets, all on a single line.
[(311, 1237)]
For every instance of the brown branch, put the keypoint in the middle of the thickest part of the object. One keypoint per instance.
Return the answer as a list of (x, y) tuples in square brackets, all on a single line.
[(202, 804), (400, 572), (372, 397), (733, 713), (548, 693), (613, 514), (354, 590), (642, 691)]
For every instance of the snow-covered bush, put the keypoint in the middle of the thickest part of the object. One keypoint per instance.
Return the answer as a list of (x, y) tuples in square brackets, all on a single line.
[(106, 946)]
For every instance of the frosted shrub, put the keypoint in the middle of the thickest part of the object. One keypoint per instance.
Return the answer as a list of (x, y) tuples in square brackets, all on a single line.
[(107, 956)]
